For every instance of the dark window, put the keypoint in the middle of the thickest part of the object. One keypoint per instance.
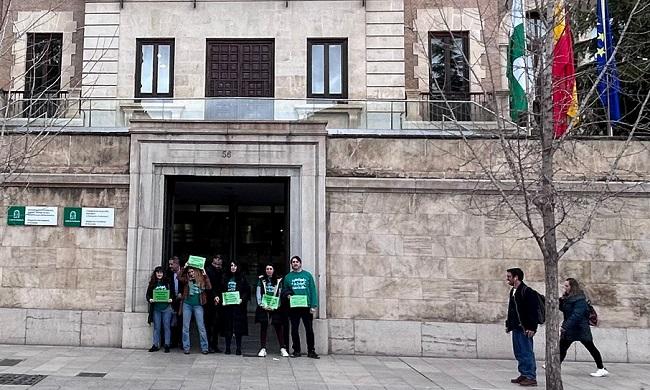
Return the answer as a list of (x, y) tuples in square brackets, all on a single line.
[(154, 68), (448, 53), (327, 68), (43, 74)]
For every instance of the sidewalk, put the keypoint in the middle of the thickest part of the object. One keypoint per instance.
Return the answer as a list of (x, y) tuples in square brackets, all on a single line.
[(138, 369)]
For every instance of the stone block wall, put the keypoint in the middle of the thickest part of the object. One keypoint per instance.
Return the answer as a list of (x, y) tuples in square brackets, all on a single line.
[(408, 253), (66, 285)]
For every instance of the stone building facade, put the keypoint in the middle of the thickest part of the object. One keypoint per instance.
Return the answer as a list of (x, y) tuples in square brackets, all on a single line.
[(382, 216)]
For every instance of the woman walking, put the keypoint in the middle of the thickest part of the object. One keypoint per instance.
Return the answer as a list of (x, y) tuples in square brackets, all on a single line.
[(235, 318), (575, 326), (269, 284), (194, 295), (160, 312)]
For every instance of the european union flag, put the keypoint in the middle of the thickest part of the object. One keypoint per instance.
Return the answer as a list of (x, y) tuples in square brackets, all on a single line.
[(609, 84)]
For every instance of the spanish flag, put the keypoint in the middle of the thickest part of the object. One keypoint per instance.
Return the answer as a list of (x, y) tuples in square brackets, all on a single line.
[(565, 95)]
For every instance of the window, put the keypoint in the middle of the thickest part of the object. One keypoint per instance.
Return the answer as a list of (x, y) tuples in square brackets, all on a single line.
[(43, 64), (327, 68), (154, 69), (448, 53)]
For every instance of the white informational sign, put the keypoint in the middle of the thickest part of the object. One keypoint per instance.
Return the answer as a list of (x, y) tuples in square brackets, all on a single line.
[(43, 216), (97, 217)]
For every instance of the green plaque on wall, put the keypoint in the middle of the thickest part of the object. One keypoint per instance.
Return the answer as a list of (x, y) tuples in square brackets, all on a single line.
[(16, 215), (72, 216)]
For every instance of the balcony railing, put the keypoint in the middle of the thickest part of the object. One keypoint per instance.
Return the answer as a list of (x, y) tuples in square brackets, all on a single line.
[(61, 110), (462, 107), (42, 105)]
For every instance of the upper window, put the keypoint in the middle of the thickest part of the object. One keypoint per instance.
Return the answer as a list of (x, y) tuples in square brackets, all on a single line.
[(327, 68), (448, 53), (43, 63), (154, 69)]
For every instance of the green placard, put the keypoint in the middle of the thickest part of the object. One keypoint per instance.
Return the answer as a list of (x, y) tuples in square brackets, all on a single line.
[(16, 215), (161, 295), (196, 262), (231, 298), (298, 301), (72, 216), (270, 301)]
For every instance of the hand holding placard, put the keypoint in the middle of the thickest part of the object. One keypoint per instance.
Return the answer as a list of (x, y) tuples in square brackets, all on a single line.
[(231, 298)]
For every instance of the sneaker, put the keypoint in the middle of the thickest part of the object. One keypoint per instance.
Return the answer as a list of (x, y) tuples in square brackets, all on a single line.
[(518, 379), (204, 352), (544, 366), (154, 348), (166, 348), (313, 355), (296, 354), (600, 372), (262, 352), (527, 382), (283, 352), (187, 352)]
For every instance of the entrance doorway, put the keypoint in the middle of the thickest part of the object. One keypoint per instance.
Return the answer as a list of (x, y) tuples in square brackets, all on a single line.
[(244, 219)]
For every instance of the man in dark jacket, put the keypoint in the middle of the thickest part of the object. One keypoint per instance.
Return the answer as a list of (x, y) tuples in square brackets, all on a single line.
[(522, 322), (213, 316)]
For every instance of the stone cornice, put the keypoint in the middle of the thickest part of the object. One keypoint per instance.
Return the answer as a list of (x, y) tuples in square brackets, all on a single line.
[(85, 180)]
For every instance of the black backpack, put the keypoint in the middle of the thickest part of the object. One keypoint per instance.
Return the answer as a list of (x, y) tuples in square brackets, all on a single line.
[(541, 306)]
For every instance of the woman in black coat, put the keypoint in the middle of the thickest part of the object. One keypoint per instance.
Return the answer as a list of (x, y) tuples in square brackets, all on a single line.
[(575, 327), (235, 317)]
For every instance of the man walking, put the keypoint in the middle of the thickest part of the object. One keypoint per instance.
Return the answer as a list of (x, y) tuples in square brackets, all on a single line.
[(522, 322), (302, 283)]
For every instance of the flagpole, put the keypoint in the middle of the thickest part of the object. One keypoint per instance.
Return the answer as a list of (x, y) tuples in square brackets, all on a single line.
[(604, 28)]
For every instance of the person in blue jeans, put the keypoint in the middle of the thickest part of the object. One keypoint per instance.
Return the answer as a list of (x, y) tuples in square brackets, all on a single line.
[(522, 322), (195, 283), (160, 313)]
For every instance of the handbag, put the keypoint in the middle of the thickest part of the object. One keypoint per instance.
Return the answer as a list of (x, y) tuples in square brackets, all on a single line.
[(593, 316)]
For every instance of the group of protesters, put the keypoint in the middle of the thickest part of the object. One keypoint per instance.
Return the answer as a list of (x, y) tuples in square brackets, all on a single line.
[(217, 297)]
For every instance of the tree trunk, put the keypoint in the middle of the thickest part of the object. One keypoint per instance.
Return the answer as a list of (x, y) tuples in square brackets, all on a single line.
[(546, 207)]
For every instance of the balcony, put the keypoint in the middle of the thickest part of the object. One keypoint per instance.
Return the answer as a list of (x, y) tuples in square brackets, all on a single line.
[(345, 116)]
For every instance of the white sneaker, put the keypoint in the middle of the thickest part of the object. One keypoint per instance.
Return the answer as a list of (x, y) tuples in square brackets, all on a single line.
[(284, 352), (262, 352), (544, 366), (600, 372)]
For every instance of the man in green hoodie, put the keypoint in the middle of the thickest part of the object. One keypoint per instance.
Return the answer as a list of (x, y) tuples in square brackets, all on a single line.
[(302, 283)]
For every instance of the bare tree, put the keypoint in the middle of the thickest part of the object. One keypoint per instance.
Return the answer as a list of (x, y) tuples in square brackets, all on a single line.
[(537, 179)]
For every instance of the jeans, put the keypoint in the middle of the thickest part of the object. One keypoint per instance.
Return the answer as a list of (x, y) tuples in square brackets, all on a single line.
[(304, 314), (198, 317), (522, 346), (165, 317)]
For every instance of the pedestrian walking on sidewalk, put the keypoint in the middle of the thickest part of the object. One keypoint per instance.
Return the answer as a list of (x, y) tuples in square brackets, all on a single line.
[(575, 327), (522, 322)]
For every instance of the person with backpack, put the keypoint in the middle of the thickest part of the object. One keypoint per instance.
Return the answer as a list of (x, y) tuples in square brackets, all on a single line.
[(575, 327), (524, 314)]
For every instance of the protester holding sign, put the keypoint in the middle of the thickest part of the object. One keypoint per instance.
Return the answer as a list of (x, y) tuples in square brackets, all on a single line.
[(304, 302), (159, 295), (268, 310), (195, 283), (234, 298)]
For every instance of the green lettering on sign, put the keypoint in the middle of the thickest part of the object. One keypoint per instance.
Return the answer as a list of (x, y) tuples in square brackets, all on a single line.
[(298, 301), (72, 216), (231, 298), (16, 215)]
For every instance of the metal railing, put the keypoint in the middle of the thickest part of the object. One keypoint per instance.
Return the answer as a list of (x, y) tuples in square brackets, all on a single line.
[(339, 114), (462, 107), (44, 104)]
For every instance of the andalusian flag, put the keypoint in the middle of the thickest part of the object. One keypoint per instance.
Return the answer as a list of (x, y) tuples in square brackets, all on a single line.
[(519, 64), (565, 95)]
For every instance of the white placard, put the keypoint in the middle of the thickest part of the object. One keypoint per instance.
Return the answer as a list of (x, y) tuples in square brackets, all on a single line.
[(43, 216), (97, 217)]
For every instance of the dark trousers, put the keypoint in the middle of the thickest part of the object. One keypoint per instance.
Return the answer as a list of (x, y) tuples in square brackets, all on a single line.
[(304, 314), (279, 333), (211, 326), (565, 344), (228, 340)]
